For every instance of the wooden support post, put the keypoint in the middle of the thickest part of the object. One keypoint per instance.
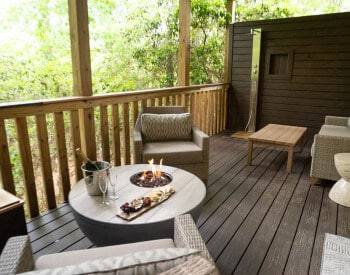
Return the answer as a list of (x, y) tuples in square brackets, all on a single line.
[(227, 47), (81, 63), (227, 77), (184, 42)]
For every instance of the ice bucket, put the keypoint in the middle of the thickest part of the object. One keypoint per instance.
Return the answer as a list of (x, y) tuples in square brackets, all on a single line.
[(92, 177)]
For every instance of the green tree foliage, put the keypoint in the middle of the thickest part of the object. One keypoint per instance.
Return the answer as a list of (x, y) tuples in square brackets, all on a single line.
[(35, 54), (133, 43), (269, 9), (156, 52)]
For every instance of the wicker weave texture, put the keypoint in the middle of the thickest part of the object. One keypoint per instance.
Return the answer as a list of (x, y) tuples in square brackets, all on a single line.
[(187, 235), (325, 147), (336, 120), (17, 256)]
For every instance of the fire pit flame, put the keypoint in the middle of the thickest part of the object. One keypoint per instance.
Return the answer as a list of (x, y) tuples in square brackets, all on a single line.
[(156, 174), (154, 177)]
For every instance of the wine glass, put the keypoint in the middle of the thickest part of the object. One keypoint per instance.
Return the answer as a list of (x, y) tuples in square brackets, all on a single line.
[(113, 183), (103, 184)]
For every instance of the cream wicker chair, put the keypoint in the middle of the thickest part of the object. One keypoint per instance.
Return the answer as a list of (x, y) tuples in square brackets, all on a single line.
[(333, 138), (192, 156), (17, 256)]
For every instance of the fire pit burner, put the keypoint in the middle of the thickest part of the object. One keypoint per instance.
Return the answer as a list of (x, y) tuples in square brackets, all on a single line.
[(147, 179)]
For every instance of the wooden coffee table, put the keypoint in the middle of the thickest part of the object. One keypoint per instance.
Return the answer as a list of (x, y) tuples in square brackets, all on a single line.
[(101, 225), (281, 136)]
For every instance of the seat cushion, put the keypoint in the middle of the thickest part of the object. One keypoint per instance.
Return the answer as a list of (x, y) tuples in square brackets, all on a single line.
[(80, 256), (173, 152), (142, 262), (333, 130), (164, 127)]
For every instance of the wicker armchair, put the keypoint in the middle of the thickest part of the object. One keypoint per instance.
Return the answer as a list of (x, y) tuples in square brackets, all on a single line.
[(17, 255), (333, 138), (144, 151)]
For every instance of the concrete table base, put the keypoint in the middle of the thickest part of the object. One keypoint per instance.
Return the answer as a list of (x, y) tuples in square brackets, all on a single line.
[(340, 192), (101, 225)]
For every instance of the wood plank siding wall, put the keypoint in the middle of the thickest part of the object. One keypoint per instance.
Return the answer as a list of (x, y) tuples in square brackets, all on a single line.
[(316, 81)]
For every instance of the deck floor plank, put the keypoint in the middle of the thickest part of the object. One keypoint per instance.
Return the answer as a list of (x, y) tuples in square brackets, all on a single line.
[(48, 217), (221, 171), (54, 236), (51, 226), (255, 219), (343, 224), (62, 243), (251, 196), (277, 254), (259, 244), (327, 223), (216, 202), (235, 152), (235, 170), (300, 254)]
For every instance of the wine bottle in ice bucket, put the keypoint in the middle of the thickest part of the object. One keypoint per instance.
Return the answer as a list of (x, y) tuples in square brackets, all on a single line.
[(95, 173)]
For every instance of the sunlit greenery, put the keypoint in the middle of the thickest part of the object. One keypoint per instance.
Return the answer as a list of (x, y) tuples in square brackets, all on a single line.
[(133, 43)]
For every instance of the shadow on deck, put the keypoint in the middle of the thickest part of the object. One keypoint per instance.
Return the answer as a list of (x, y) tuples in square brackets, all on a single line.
[(256, 219)]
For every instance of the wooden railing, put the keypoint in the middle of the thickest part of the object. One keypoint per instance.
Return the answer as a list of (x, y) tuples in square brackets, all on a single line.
[(57, 129)]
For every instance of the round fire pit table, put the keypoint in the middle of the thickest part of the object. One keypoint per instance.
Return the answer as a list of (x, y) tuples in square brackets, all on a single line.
[(101, 225)]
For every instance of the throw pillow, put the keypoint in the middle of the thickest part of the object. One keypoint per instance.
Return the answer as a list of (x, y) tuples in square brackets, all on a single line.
[(164, 127)]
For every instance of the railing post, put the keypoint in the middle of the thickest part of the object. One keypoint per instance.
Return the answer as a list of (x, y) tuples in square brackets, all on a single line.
[(81, 63), (227, 77), (184, 42), (230, 7)]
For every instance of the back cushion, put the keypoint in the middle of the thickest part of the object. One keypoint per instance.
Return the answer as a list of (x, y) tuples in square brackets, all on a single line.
[(162, 127), (143, 262)]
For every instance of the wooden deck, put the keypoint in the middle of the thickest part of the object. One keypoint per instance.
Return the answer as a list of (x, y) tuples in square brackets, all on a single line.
[(256, 219)]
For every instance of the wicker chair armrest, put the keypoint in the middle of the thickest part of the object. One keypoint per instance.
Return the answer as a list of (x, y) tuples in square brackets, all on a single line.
[(336, 120), (325, 147), (331, 144), (187, 235), (16, 256), (202, 140), (138, 144)]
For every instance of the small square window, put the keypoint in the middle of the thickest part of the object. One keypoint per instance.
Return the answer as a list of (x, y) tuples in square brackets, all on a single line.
[(278, 64)]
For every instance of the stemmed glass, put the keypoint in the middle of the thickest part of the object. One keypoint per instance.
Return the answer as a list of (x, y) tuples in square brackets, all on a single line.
[(113, 183), (103, 184)]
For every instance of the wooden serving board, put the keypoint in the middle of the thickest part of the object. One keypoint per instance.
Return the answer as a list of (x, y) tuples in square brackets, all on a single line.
[(133, 215)]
